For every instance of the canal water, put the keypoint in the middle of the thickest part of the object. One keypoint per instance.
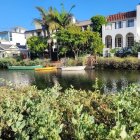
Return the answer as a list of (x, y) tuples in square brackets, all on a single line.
[(108, 80)]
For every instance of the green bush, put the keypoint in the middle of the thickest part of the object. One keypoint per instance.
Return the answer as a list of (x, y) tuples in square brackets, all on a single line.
[(119, 63), (80, 61), (72, 114), (4, 62)]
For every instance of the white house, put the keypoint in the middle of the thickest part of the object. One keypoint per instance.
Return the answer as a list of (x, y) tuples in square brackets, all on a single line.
[(13, 51), (121, 30), (15, 36), (13, 43)]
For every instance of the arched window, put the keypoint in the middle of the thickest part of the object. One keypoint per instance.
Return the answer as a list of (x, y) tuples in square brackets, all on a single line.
[(130, 40), (119, 40), (108, 41)]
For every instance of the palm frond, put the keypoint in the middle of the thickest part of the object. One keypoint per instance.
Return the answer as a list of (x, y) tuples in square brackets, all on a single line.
[(42, 11)]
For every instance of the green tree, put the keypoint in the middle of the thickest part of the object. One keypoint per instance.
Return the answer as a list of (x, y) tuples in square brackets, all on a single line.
[(37, 45), (98, 21), (72, 38), (78, 41), (46, 20), (136, 48), (52, 19)]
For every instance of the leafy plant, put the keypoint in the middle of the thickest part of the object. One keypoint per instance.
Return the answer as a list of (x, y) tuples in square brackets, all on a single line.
[(72, 114)]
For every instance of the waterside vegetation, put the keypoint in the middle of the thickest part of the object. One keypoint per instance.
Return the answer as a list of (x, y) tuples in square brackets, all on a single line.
[(72, 114), (131, 63)]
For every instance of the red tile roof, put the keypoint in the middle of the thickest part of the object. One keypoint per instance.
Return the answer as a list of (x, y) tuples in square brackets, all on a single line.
[(121, 16)]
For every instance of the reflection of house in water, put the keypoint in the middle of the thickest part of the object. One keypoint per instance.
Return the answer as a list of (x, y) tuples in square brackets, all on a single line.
[(18, 78), (70, 73)]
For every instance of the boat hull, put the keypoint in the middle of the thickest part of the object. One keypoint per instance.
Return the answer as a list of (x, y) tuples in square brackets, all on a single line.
[(73, 68), (24, 67), (46, 69)]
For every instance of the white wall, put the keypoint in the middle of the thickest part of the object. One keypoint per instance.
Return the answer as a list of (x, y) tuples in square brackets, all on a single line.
[(37, 26), (138, 23), (18, 38), (123, 31)]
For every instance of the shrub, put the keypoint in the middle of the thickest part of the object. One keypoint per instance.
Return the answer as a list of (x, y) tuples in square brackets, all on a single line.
[(119, 63), (79, 61), (4, 62), (72, 114)]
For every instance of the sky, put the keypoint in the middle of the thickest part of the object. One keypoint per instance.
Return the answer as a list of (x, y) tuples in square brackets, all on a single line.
[(22, 12)]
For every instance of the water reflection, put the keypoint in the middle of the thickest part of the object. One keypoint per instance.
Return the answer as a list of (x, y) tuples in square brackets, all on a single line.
[(109, 80), (18, 78)]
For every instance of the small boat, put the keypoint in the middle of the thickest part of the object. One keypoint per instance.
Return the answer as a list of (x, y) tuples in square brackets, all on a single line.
[(46, 69), (73, 68), (24, 67)]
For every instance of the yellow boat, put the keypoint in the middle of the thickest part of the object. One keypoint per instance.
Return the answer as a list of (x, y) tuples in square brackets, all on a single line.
[(46, 69)]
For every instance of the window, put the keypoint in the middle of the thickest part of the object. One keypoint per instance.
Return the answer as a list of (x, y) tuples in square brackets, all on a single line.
[(130, 41), (38, 33), (118, 42), (15, 55), (108, 42), (10, 36), (130, 23), (17, 44), (108, 26), (118, 24)]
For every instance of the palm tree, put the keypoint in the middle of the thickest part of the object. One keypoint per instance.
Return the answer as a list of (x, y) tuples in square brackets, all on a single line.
[(63, 18), (46, 20), (52, 20)]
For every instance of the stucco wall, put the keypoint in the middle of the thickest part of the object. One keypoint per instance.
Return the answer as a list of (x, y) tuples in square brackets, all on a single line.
[(18, 38), (122, 31)]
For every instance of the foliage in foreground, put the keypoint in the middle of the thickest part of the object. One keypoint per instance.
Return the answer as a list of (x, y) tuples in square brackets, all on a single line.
[(74, 114), (119, 63)]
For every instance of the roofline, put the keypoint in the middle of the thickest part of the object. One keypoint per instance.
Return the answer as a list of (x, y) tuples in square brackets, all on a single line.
[(121, 13), (33, 30), (83, 21)]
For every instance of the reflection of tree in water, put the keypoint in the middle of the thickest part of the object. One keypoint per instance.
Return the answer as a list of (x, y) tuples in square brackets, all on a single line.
[(116, 80), (108, 80), (77, 81), (44, 80)]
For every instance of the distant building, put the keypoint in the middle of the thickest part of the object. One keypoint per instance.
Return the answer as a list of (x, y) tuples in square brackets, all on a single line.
[(36, 32), (13, 43), (7, 50), (39, 32), (121, 30), (14, 36), (84, 24)]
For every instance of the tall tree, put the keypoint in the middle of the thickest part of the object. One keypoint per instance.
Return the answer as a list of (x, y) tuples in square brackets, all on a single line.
[(98, 21), (63, 18), (73, 38), (52, 19), (46, 20)]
